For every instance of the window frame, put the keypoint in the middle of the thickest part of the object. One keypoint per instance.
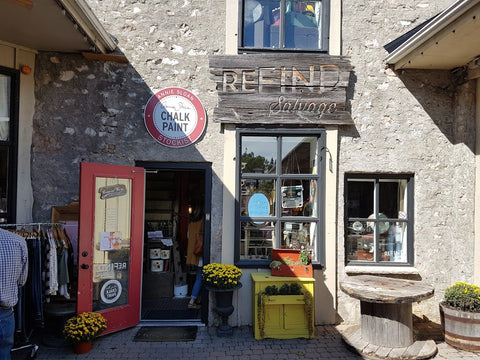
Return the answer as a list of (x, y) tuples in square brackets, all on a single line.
[(278, 218), (12, 144), (325, 28), (378, 177)]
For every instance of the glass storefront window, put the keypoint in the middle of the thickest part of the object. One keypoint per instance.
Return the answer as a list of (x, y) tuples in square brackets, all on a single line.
[(278, 203), (379, 212)]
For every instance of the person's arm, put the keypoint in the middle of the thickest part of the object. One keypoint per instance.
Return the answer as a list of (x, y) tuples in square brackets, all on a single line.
[(22, 279)]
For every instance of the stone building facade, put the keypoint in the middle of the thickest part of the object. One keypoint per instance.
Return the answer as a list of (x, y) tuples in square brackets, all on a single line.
[(420, 122)]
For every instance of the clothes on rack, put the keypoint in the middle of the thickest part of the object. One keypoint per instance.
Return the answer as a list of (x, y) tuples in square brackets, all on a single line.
[(51, 265)]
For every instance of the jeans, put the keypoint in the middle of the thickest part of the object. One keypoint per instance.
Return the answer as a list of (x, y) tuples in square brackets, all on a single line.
[(7, 330), (198, 284)]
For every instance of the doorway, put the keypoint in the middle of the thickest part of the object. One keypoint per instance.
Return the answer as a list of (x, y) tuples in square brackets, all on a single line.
[(174, 194)]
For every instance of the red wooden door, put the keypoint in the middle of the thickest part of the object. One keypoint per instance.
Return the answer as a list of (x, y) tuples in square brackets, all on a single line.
[(111, 242)]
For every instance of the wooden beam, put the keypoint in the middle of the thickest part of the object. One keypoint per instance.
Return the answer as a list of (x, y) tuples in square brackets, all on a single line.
[(105, 57)]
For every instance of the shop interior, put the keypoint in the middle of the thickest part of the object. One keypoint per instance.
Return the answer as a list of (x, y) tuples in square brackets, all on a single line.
[(171, 199)]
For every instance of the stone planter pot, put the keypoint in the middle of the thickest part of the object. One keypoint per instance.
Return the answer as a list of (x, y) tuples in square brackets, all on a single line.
[(461, 328), (224, 308)]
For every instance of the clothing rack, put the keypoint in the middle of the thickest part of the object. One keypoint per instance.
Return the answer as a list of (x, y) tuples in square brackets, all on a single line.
[(26, 344), (39, 224)]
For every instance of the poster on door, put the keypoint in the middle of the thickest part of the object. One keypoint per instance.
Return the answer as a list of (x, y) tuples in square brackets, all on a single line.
[(111, 240)]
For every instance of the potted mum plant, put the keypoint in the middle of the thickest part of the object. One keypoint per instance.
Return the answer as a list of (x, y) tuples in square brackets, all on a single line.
[(82, 329), (460, 316), (222, 280)]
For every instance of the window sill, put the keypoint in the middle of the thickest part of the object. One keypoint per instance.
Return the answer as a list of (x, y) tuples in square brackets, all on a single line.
[(382, 270)]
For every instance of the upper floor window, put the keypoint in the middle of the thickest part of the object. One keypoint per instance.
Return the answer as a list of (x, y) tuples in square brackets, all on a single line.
[(378, 219), (285, 25), (280, 193)]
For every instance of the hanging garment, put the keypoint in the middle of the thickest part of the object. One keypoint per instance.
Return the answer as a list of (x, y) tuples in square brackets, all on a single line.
[(52, 286)]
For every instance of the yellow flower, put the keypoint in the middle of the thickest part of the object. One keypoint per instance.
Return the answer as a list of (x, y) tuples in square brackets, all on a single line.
[(223, 276), (84, 327)]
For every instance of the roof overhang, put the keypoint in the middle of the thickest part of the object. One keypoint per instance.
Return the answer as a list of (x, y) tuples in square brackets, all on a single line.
[(53, 25), (448, 41)]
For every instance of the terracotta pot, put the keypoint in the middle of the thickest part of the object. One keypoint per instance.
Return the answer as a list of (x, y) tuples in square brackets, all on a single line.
[(461, 328), (82, 347)]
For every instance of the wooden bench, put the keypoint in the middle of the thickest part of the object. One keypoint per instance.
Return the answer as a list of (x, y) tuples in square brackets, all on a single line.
[(386, 317)]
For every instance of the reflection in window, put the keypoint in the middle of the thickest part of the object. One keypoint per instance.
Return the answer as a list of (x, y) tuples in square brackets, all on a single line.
[(259, 154), (379, 215), (285, 24), (5, 85), (278, 205), (9, 93), (298, 155), (3, 182)]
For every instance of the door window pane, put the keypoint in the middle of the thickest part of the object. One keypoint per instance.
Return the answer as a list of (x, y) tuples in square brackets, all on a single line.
[(111, 254)]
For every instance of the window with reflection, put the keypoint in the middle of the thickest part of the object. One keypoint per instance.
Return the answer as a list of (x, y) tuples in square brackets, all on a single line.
[(379, 217), (9, 94), (285, 24), (278, 206)]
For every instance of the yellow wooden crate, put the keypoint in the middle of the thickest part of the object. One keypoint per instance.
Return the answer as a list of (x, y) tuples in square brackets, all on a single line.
[(282, 316)]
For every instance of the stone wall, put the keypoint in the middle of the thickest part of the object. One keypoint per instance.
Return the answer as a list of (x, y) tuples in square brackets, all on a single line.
[(418, 122), (89, 110)]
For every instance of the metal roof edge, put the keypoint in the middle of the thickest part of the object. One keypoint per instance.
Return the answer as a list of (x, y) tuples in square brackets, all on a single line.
[(90, 24), (442, 20)]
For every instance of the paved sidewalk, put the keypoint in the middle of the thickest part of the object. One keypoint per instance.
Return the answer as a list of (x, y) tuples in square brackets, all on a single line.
[(327, 344)]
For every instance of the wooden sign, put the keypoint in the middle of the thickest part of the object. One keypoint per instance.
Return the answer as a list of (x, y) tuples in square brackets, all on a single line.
[(281, 89), (111, 191)]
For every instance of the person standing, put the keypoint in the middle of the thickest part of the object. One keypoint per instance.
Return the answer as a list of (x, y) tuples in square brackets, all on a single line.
[(13, 274), (195, 252)]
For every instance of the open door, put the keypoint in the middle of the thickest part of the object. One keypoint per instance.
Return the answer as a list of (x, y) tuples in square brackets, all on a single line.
[(110, 242)]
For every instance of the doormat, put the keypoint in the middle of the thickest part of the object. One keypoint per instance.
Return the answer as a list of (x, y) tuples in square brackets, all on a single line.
[(166, 333)]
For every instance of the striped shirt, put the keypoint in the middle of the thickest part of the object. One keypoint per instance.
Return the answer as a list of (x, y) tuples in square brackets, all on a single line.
[(13, 267)]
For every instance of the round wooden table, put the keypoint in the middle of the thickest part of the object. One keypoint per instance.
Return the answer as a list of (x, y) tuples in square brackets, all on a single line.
[(386, 309)]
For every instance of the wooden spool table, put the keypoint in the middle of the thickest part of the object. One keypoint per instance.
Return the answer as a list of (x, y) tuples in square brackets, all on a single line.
[(386, 329)]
